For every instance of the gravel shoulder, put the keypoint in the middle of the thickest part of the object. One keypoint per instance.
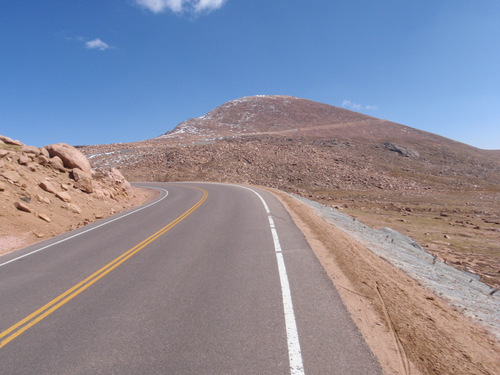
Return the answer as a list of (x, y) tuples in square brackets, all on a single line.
[(417, 314), (461, 289)]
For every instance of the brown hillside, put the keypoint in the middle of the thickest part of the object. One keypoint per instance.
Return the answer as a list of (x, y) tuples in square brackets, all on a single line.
[(443, 193)]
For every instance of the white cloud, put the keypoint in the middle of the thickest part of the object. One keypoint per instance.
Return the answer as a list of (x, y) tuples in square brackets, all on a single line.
[(178, 6), (208, 5), (97, 44), (157, 6), (355, 106)]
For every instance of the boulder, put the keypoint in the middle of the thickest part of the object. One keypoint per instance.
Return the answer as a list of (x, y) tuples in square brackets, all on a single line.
[(57, 163), (83, 181), (44, 152), (10, 141), (23, 160), (30, 150), (84, 184), (402, 150), (43, 160), (4, 153), (71, 157), (48, 186), (78, 174), (118, 177)]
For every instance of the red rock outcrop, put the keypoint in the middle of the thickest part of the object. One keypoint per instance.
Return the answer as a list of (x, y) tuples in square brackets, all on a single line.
[(70, 156)]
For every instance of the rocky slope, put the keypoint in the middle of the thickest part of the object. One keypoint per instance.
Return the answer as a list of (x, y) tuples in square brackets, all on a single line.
[(443, 193), (50, 190)]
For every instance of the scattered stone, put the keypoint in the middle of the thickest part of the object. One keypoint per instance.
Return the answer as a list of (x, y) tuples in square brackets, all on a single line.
[(48, 186), (44, 218), (64, 196), (43, 160), (402, 150), (85, 185), (447, 237), (70, 156), (23, 160), (119, 179), (4, 153), (2, 186), (11, 176), (73, 208), (77, 174), (22, 207), (102, 193), (83, 181), (42, 199)]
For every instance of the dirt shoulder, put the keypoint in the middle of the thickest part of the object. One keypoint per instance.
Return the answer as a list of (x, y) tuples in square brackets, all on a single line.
[(408, 328), (20, 229)]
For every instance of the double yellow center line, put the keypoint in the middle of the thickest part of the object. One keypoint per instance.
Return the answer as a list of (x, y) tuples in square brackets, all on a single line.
[(32, 319)]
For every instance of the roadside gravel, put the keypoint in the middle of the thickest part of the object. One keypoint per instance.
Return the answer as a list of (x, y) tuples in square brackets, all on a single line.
[(463, 290)]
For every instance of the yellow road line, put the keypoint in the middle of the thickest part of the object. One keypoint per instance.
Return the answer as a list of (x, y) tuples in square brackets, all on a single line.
[(32, 319)]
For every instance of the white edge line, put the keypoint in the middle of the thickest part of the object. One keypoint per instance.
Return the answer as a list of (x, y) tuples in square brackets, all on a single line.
[(294, 351), (90, 229)]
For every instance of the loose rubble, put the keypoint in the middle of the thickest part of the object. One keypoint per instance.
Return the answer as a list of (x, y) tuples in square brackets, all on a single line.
[(50, 190)]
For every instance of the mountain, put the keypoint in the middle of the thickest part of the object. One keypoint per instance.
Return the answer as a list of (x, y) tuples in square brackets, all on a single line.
[(443, 193), (291, 116), (265, 114)]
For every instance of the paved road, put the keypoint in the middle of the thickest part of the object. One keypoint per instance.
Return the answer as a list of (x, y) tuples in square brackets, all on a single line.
[(202, 281)]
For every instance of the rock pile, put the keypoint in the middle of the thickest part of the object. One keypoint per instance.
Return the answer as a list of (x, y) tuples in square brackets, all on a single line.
[(48, 190)]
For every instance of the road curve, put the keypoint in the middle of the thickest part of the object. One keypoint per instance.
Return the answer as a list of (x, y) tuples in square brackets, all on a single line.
[(207, 279)]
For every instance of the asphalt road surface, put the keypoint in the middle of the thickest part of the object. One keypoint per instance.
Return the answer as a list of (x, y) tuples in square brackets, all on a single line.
[(207, 279)]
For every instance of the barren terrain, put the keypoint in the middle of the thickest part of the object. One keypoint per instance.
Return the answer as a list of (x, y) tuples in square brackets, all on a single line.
[(409, 329), (448, 200), (41, 199), (443, 194)]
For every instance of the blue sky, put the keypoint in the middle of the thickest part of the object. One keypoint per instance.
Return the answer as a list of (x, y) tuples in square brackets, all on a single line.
[(108, 71)]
